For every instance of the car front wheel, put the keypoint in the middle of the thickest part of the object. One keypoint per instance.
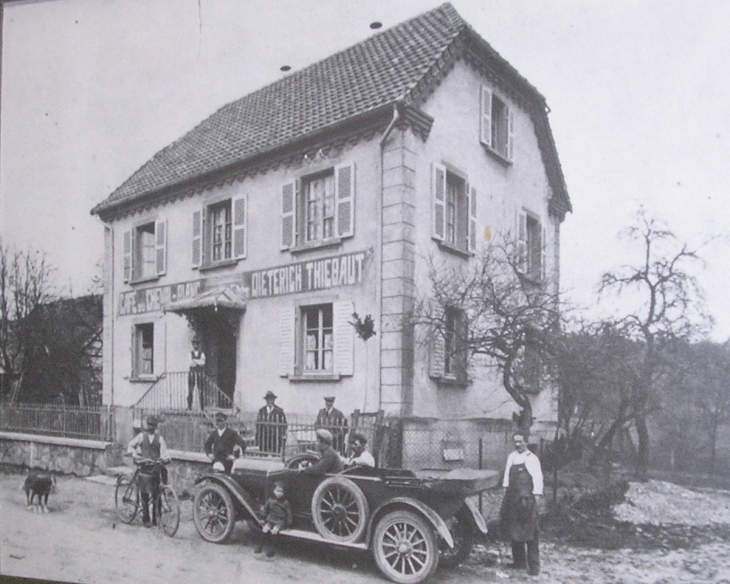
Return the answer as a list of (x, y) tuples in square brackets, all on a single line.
[(213, 513), (405, 547)]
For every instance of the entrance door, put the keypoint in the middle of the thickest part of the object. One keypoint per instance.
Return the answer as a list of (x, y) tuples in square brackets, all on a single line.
[(219, 335)]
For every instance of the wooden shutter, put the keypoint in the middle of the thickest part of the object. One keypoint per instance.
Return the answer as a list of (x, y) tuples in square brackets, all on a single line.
[(471, 240), (344, 337), (522, 262), (438, 189), (510, 132), (197, 238), (485, 126), (127, 256), (159, 351), (239, 209), (288, 215), (160, 246), (543, 254), (345, 193), (438, 345), (287, 340)]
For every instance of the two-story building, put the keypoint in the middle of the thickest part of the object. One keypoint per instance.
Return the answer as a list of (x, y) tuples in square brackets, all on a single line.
[(263, 229)]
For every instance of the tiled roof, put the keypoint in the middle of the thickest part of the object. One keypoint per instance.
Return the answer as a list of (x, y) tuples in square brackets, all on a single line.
[(373, 73)]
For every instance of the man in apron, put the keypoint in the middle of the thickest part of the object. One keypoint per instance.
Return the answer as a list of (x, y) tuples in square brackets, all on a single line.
[(519, 518)]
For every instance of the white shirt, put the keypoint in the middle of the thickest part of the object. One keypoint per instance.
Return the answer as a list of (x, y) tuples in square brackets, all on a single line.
[(532, 464), (365, 459)]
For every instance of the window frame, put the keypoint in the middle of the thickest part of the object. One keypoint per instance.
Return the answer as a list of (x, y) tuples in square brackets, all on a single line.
[(463, 242), (532, 247), (133, 250), (496, 135), (450, 367), (143, 337), (321, 350), (234, 241)]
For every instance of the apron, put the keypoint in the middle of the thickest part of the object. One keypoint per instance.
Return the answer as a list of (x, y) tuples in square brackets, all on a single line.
[(518, 514)]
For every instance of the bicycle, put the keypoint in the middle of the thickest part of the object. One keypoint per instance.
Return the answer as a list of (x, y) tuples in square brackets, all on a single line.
[(127, 498)]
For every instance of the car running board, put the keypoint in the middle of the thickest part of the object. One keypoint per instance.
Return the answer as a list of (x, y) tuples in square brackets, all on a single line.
[(313, 536)]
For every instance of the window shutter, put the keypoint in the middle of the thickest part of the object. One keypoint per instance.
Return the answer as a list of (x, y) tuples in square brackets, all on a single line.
[(344, 334), (133, 351), (288, 215), (471, 241), (345, 192), (510, 132), (127, 256), (543, 255), (158, 347), (160, 246), (522, 242), (287, 338), (438, 346), (239, 207), (197, 238), (485, 130), (439, 201)]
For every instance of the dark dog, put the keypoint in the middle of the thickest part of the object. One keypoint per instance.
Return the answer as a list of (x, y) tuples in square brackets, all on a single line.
[(39, 485)]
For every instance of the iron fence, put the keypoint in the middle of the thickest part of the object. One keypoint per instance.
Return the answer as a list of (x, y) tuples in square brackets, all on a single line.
[(184, 391), (87, 422)]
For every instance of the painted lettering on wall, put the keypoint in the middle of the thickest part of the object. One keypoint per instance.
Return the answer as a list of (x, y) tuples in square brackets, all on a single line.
[(155, 299), (343, 270)]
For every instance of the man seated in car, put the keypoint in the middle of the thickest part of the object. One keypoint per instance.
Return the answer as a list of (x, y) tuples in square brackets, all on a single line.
[(358, 454), (329, 461)]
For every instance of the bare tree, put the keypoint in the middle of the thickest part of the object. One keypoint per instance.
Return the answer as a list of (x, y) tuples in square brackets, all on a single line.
[(664, 303), (25, 284), (501, 313)]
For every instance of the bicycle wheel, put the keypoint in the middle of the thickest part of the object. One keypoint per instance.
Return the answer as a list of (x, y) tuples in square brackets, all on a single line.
[(169, 511), (126, 499)]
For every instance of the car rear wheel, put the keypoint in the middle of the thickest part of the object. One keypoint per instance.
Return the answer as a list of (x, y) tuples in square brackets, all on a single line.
[(340, 510), (462, 533), (213, 513), (405, 548)]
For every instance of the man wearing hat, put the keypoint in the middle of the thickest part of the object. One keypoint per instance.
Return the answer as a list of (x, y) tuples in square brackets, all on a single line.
[(332, 419), (195, 374), (149, 445), (329, 461), (270, 426), (224, 444)]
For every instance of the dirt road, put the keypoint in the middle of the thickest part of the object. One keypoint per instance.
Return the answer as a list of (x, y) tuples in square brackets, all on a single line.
[(80, 540)]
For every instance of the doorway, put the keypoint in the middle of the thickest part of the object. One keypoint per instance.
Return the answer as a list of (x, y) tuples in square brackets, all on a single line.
[(219, 331)]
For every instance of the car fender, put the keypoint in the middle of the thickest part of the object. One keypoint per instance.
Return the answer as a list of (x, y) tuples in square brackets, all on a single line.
[(424, 510), (239, 493), (476, 516)]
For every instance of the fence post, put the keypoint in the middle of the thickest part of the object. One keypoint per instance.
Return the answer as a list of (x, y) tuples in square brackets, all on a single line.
[(481, 455)]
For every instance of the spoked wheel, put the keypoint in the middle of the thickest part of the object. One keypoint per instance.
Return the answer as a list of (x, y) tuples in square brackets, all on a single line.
[(126, 499), (169, 519), (405, 548), (463, 535), (213, 513), (339, 510), (301, 460)]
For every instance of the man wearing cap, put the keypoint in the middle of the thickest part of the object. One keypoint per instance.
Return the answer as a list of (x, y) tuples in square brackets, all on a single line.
[(149, 445), (270, 426), (332, 419), (329, 461), (224, 444), (359, 456), (195, 374)]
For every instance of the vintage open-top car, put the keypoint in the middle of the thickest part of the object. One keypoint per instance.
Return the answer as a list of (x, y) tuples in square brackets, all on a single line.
[(410, 520)]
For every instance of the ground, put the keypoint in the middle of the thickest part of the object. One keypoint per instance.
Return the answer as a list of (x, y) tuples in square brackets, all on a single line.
[(652, 532)]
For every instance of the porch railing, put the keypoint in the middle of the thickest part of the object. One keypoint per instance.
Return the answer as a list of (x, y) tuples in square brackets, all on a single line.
[(182, 390), (86, 422)]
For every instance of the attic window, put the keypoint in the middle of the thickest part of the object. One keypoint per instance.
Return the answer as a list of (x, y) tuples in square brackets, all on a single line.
[(496, 124)]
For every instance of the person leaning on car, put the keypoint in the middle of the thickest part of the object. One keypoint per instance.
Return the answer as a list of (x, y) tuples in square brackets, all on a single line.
[(329, 461), (224, 444)]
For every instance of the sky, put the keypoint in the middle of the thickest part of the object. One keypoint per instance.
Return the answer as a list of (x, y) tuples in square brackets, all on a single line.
[(638, 92)]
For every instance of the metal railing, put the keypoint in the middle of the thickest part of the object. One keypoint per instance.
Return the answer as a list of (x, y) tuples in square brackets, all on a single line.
[(184, 391), (87, 422)]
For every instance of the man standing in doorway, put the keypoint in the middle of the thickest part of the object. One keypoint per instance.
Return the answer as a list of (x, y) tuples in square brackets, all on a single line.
[(332, 419), (270, 426), (519, 513), (195, 374)]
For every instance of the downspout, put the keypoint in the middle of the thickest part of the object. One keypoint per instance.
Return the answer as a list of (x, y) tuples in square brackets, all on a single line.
[(386, 135)]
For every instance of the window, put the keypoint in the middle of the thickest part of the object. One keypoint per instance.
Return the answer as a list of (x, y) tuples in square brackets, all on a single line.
[(449, 351), (318, 209), (496, 124), (454, 210), (219, 232), (143, 350), (145, 251), (316, 341), (531, 247)]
